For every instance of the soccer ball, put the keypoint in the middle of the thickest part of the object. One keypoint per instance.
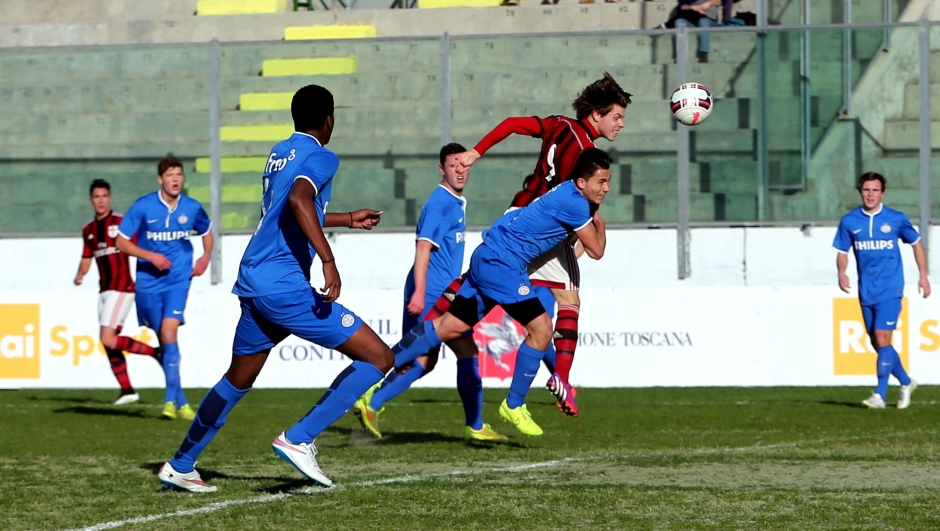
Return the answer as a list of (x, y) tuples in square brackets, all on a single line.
[(691, 103)]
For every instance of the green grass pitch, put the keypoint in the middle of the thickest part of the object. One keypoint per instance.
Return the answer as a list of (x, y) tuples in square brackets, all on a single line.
[(700, 458)]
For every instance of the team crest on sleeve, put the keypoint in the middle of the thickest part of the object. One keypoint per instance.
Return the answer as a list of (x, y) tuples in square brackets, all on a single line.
[(523, 290), (348, 320), (182, 219), (112, 231), (886, 228)]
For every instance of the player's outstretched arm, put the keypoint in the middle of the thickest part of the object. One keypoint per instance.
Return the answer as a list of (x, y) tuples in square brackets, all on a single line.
[(131, 249), (591, 242), (364, 219), (83, 266), (202, 263), (520, 125), (301, 197), (842, 261), (923, 285)]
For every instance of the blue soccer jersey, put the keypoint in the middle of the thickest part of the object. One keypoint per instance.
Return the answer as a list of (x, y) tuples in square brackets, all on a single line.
[(443, 224), (874, 240), (530, 232), (279, 255), (164, 230)]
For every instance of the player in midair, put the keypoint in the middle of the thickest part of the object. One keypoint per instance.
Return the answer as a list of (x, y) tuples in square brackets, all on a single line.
[(277, 299), (439, 251), (599, 111), (872, 232), (116, 286), (162, 222), (498, 275)]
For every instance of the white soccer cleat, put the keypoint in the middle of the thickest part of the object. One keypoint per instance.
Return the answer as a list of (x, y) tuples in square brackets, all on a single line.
[(906, 392), (127, 399), (874, 402), (304, 458), (189, 481)]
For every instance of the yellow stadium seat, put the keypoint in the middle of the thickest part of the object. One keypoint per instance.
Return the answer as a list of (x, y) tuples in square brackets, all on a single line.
[(255, 133), (239, 7), (234, 164), (433, 4), (231, 193), (312, 66), (333, 31), (265, 101)]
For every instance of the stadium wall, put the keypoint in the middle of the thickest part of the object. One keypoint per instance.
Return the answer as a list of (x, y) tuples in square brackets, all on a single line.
[(761, 309)]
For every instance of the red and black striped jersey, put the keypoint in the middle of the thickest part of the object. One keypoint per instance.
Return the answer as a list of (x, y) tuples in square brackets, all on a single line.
[(563, 141), (100, 241)]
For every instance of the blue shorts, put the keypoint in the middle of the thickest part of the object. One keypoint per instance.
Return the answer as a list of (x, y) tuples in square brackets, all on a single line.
[(268, 320), (153, 308), (882, 315), (493, 281)]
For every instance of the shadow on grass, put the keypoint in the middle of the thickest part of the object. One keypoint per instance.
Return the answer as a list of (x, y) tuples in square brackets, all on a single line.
[(290, 487), (407, 437), (856, 405), (102, 411), (70, 399)]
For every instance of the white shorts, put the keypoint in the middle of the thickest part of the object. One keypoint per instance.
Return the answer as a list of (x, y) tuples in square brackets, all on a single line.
[(557, 269), (113, 307)]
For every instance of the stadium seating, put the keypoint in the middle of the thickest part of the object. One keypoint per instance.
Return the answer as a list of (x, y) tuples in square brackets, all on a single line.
[(127, 107)]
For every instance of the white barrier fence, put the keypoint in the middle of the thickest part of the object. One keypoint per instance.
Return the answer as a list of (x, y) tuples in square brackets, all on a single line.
[(665, 333)]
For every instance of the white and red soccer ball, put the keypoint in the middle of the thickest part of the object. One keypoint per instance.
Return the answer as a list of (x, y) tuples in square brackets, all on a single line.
[(691, 103)]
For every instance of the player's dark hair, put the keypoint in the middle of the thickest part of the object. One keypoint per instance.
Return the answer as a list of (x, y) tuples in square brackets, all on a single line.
[(310, 107), (589, 161), (870, 176), (98, 183), (600, 96), (451, 149), (168, 162)]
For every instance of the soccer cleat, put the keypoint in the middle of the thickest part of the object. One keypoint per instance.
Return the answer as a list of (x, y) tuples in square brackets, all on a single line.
[(189, 481), (564, 393), (187, 412), (128, 398), (520, 418), (486, 433), (368, 417), (169, 411), (906, 392), (874, 402), (304, 458)]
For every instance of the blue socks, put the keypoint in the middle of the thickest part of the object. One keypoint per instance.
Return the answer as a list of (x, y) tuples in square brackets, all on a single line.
[(889, 364), (209, 419), (885, 364), (549, 358), (336, 401), (171, 368), (396, 384), (470, 387), (418, 341), (527, 365), (897, 369)]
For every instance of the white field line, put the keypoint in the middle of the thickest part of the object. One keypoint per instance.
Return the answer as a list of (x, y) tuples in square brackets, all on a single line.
[(214, 507)]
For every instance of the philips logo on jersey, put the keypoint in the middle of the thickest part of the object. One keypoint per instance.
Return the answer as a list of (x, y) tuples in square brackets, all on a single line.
[(278, 164), (874, 245), (168, 235), (461, 236)]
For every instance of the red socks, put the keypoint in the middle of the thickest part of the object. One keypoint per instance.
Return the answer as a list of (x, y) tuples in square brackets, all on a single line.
[(566, 338)]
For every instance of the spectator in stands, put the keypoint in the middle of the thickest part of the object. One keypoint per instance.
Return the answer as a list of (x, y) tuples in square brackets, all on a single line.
[(702, 14)]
